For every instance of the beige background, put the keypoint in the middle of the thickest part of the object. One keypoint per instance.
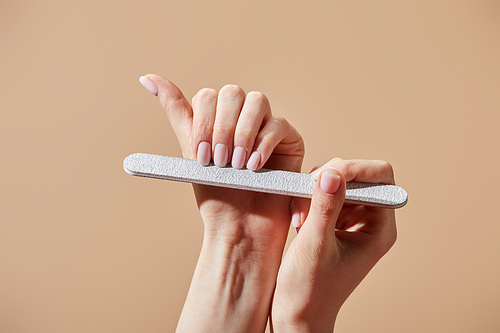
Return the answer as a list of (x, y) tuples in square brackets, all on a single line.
[(84, 247)]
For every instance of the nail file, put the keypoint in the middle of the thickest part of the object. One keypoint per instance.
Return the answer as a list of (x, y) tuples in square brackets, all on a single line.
[(265, 180)]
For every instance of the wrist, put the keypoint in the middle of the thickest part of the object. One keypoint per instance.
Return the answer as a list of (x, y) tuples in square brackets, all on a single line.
[(232, 286), (300, 311), (300, 325), (239, 263), (245, 235)]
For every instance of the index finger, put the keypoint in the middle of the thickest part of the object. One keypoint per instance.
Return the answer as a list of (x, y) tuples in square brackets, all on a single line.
[(366, 171)]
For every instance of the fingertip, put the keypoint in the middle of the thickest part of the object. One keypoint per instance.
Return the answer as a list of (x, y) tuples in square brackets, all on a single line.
[(221, 155), (153, 77), (177, 108), (149, 84), (296, 218), (239, 157), (254, 161), (327, 200), (330, 180), (204, 153), (165, 87)]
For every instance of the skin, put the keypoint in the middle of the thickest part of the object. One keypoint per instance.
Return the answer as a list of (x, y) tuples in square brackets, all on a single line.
[(239, 279), (245, 232), (336, 247)]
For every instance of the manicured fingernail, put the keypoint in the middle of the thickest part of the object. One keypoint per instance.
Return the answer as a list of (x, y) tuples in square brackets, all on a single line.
[(295, 217), (253, 161), (329, 182), (221, 153), (149, 85), (239, 155), (204, 153)]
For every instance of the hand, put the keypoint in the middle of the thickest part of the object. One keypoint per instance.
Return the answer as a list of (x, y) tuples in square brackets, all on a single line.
[(336, 247), (245, 231)]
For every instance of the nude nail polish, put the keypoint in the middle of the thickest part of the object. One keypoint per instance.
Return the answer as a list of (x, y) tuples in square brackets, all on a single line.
[(204, 153), (149, 85), (221, 153), (254, 160), (329, 182), (295, 218), (239, 155)]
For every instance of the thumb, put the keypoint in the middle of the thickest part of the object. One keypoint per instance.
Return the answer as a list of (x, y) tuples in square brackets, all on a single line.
[(326, 204), (176, 106)]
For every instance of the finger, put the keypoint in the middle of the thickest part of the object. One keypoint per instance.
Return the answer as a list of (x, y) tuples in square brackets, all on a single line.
[(275, 137), (369, 227), (295, 214), (299, 209), (177, 108), (353, 218), (326, 204), (204, 108), (372, 228), (315, 169), (255, 111), (369, 171), (229, 104)]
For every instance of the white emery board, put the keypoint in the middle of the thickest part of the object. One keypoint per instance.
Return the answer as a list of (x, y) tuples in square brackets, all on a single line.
[(269, 181)]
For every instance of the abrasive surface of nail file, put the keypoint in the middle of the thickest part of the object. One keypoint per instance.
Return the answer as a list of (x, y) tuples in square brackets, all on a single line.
[(264, 180)]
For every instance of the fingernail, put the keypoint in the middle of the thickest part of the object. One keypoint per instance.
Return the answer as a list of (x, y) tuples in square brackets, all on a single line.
[(221, 153), (149, 85), (239, 155), (329, 182), (204, 152), (295, 217), (253, 161)]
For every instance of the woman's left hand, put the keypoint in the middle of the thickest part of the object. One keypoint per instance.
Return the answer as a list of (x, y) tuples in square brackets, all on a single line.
[(246, 229)]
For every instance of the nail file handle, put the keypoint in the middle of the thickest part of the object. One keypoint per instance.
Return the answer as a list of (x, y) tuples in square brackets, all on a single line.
[(265, 180)]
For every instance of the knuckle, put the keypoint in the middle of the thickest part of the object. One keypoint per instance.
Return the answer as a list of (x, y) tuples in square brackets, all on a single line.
[(202, 133), (266, 141), (232, 90), (344, 165), (388, 240), (223, 129), (392, 239), (205, 94), (387, 169), (204, 125), (258, 98), (386, 245), (243, 134), (176, 106), (279, 122), (323, 209), (336, 160)]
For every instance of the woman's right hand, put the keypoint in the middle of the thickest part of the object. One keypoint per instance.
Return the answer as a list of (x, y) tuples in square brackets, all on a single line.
[(336, 247)]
